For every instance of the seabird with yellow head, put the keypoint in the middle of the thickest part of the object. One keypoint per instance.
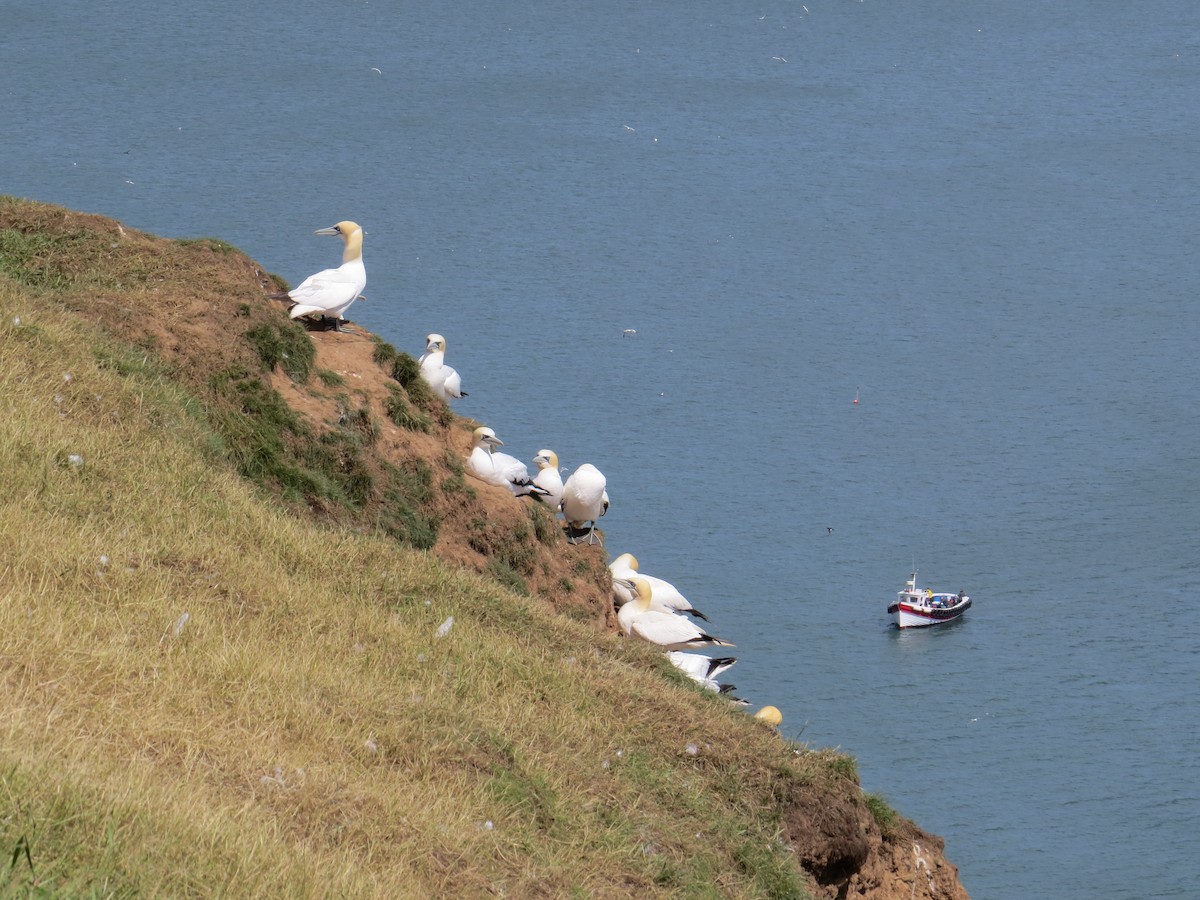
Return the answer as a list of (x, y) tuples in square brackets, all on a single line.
[(549, 478), (667, 597), (667, 630), (442, 379), (585, 499), (331, 291), (499, 469)]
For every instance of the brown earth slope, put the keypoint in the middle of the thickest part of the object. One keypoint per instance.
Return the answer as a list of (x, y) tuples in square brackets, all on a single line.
[(344, 430)]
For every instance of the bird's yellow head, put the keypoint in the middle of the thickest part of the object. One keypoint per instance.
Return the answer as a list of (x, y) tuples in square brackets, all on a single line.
[(644, 592), (486, 438), (351, 233)]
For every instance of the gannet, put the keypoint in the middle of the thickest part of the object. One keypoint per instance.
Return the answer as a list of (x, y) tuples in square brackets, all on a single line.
[(667, 630), (549, 478), (331, 291), (499, 468), (702, 669), (584, 501), (623, 568), (441, 378), (666, 596)]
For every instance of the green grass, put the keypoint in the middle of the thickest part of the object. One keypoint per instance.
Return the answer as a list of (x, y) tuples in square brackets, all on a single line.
[(406, 371), (404, 414), (885, 817), (207, 694), (267, 442), (30, 258), (404, 513), (330, 378), (286, 345)]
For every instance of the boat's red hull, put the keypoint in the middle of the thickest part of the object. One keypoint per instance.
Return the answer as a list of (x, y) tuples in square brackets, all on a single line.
[(911, 616)]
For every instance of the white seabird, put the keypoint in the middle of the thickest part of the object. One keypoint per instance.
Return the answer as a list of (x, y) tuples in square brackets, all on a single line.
[(499, 468), (667, 630), (331, 291), (667, 597), (623, 568), (441, 378), (702, 669), (585, 499), (549, 479)]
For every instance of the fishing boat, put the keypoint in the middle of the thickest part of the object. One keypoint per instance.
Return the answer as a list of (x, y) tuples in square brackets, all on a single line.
[(916, 609)]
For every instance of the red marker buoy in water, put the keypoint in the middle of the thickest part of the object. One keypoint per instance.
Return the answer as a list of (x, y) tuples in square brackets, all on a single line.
[(856, 397)]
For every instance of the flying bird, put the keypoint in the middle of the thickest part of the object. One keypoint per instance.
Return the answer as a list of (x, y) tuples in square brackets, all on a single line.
[(331, 291)]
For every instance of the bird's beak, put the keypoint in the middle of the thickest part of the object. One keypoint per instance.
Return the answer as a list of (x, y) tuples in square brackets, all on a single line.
[(330, 230), (495, 441), (627, 583)]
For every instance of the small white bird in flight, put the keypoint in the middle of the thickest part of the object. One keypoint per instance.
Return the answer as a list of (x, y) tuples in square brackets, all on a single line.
[(441, 378), (331, 291)]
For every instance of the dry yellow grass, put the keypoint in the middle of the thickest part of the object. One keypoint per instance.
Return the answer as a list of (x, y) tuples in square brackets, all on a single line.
[(202, 693)]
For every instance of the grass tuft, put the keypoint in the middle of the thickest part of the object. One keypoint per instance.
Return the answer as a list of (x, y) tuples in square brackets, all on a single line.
[(404, 513), (286, 345), (885, 817), (545, 527), (261, 434), (403, 414), (330, 378)]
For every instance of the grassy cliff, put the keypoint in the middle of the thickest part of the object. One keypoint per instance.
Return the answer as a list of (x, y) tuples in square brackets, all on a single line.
[(260, 636)]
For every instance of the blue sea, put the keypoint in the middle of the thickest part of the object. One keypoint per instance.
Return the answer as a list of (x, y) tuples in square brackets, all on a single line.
[(979, 219)]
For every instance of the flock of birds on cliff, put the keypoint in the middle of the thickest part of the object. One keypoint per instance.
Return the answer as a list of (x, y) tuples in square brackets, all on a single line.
[(648, 608)]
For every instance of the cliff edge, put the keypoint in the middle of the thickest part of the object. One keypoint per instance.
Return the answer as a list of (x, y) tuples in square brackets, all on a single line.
[(336, 433)]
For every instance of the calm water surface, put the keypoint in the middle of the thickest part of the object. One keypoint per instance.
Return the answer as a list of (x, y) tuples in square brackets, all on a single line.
[(982, 217)]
